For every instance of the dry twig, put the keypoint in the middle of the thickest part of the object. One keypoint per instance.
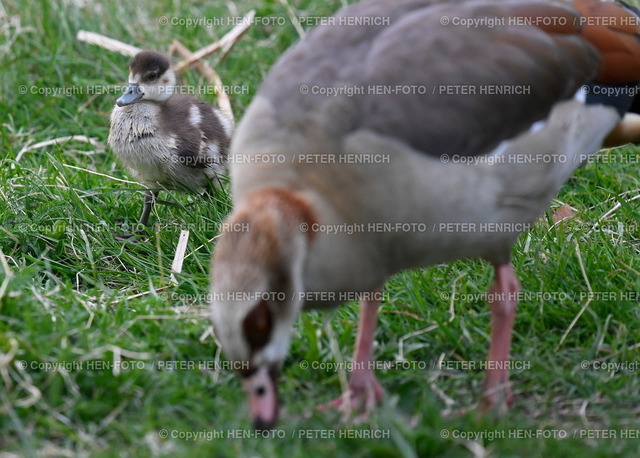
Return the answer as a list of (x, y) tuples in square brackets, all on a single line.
[(107, 43), (223, 99), (225, 43)]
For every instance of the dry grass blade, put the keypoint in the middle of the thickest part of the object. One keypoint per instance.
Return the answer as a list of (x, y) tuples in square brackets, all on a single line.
[(178, 259), (107, 43), (292, 17), (586, 304), (8, 274), (55, 141), (100, 174)]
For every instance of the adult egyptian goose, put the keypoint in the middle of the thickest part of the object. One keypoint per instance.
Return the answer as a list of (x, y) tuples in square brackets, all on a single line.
[(167, 140), (354, 146)]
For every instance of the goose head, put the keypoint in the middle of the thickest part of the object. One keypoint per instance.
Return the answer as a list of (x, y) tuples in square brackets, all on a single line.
[(256, 295), (150, 79)]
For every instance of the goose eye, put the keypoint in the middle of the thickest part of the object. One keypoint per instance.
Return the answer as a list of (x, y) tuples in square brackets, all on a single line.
[(152, 76), (257, 326)]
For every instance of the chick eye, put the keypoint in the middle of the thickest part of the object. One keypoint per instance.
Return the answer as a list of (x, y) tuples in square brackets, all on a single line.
[(152, 76)]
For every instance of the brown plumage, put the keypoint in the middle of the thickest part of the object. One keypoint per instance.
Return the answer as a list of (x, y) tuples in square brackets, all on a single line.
[(613, 30)]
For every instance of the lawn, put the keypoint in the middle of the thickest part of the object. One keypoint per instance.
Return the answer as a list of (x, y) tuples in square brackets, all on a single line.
[(102, 355)]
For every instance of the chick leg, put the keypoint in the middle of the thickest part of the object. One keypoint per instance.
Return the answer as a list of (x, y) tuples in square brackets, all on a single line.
[(150, 198)]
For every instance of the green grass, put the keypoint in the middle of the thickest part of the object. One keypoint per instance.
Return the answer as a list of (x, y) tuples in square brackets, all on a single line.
[(74, 301)]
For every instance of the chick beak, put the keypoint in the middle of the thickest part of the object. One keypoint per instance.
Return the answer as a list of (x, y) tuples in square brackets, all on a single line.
[(263, 397), (131, 94)]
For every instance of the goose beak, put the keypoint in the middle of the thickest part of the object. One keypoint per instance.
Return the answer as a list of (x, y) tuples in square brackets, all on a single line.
[(131, 94), (263, 397)]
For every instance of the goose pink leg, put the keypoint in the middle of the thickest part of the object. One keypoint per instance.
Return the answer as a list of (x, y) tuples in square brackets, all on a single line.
[(503, 297), (364, 389)]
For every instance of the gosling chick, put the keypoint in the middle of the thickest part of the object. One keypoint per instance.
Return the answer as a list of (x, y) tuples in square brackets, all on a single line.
[(166, 140)]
